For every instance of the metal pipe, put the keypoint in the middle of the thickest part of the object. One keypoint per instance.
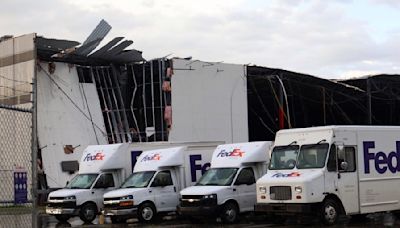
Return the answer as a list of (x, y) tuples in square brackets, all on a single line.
[(144, 99), (34, 146), (161, 98), (97, 80), (124, 118), (133, 98), (116, 106), (152, 98), (110, 108)]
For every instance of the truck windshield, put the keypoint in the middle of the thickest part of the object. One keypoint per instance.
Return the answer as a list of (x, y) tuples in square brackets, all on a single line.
[(138, 180), (312, 156), (284, 157), (218, 177), (82, 181)]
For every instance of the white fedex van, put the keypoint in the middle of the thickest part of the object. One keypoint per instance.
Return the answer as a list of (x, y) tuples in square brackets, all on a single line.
[(228, 187), (102, 168), (158, 176), (332, 170)]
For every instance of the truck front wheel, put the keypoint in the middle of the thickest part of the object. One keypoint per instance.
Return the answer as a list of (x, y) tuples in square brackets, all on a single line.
[(146, 212), (229, 213), (88, 212), (330, 212)]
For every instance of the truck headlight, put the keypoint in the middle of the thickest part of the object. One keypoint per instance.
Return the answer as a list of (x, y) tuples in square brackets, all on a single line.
[(211, 196), (298, 189), (129, 197), (263, 189), (70, 198), (126, 201)]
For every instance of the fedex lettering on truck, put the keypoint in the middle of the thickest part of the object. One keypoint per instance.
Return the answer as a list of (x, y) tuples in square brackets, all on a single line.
[(158, 176), (332, 170), (382, 161)]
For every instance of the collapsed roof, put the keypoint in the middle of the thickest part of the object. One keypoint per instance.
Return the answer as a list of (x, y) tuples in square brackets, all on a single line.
[(69, 51)]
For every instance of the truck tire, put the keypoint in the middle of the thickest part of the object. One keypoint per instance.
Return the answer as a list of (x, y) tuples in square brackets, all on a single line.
[(330, 211), (62, 218), (88, 212), (146, 212), (229, 213), (117, 220)]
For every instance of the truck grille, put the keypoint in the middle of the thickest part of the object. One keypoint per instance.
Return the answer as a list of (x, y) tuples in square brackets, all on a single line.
[(197, 201), (191, 200), (68, 204), (192, 196), (280, 193)]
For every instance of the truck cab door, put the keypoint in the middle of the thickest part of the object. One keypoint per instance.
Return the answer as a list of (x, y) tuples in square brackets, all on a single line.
[(348, 179), (245, 185), (104, 183), (164, 191)]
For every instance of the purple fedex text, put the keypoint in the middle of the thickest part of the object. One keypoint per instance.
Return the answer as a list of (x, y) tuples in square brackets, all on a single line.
[(382, 161)]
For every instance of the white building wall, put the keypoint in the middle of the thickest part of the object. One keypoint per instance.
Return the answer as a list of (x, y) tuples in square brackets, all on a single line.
[(209, 102), (60, 123)]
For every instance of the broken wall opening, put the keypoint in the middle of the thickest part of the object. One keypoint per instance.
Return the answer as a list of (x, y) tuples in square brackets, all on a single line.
[(282, 99), (133, 101)]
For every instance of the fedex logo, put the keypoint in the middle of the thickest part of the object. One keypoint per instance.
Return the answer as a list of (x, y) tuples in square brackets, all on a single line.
[(382, 161), (233, 153), (97, 157), (194, 166), (151, 157), (292, 174)]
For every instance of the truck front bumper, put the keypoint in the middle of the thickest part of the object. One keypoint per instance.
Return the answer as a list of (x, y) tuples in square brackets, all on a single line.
[(120, 212), (200, 211), (286, 208), (61, 211)]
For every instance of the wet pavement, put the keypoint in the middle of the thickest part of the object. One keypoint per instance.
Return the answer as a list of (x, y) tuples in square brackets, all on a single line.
[(373, 220), (46, 221)]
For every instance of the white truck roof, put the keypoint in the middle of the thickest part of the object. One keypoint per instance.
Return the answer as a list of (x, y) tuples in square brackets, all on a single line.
[(102, 157), (313, 135), (234, 155), (154, 159)]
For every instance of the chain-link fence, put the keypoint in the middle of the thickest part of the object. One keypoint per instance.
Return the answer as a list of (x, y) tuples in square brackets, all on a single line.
[(16, 204)]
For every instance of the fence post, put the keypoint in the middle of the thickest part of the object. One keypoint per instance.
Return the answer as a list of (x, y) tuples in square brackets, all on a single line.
[(34, 152)]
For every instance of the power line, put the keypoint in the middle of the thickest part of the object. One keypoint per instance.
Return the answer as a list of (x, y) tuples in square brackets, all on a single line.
[(13, 89), (72, 101), (14, 80)]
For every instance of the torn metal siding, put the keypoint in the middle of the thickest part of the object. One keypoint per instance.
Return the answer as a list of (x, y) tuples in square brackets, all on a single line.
[(310, 101), (69, 113), (94, 39), (382, 98)]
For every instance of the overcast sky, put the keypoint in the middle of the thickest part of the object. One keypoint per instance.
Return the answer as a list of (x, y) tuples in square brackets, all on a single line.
[(329, 39)]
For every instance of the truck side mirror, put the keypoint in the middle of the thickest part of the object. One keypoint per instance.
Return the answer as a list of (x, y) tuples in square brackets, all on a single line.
[(67, 183), (344, 165), (340, 148)]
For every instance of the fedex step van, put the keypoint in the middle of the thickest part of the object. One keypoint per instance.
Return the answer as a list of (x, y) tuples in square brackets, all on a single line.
[(103, 168), (229, 186), (158, 176), (331, 171)]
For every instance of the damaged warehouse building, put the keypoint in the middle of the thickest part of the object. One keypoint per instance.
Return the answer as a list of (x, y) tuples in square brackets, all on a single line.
[(92, 94)]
